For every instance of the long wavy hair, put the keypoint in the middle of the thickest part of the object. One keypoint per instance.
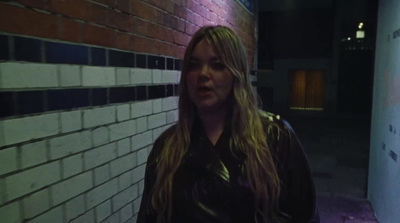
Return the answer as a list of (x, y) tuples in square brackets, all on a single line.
[(248, 134)]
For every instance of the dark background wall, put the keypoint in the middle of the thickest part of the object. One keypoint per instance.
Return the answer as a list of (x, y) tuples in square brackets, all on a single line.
[(313, 36)]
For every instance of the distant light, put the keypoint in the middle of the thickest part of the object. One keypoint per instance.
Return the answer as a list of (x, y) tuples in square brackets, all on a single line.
[(360, 34), (360, 26), (348, 38)]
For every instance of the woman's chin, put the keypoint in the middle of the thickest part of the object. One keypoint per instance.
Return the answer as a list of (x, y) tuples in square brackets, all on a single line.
[(210, 107)]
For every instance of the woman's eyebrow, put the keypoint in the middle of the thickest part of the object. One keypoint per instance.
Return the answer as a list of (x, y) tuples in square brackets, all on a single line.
[(193, 58)]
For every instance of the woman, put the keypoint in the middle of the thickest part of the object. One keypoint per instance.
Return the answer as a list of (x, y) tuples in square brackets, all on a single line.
[(225, 160)]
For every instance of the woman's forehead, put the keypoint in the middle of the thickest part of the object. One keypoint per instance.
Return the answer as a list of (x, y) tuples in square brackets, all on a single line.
[(204, 49)]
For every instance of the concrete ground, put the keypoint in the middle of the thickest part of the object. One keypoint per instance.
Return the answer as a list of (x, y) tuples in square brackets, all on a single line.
[(338, 151)]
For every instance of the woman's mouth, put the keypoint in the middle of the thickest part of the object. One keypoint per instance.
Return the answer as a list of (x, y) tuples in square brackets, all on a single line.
[(204, 90)]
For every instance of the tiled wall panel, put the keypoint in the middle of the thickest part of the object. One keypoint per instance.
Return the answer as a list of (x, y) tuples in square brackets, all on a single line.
[(58, 161), (86, 87)]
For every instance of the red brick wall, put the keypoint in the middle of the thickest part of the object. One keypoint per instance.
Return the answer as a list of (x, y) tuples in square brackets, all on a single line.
[(160, 27)]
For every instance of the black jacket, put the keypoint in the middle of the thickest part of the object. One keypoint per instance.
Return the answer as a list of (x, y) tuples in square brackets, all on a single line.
[(210, 185)]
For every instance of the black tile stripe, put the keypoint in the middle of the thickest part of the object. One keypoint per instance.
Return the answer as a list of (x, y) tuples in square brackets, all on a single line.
[(16, 103), (156, 62), (71, 54), (121, 59), (7, 108), (178, 64), (170, 90), (42, 51), (27, 49), (4, 51), (170, 64), (122, 94), (67, 99), (156, 91), (176, 89), (141, 61), (141, 93), (29, 102), (98, 96), (97, 56)]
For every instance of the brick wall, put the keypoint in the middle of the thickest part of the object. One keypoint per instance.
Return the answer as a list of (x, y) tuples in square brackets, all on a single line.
[(85, 89), (147, 26)]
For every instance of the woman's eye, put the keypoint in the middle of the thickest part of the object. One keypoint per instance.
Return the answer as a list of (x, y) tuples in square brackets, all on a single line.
[(193, 65), (218, 66)]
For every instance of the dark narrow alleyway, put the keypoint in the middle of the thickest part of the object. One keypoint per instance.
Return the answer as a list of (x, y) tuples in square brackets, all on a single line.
[(338, 150)]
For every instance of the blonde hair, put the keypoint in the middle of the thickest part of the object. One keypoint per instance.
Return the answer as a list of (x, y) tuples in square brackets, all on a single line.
[(248, 134)]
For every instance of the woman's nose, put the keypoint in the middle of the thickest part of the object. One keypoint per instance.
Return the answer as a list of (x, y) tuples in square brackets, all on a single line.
[(205, 70)]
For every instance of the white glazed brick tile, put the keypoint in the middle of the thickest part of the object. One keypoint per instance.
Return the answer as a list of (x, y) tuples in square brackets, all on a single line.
[(178, 76), (126, 212), (33, 154), (122, 130), (8, 160), (100, 155), (170, 103), (123, 146), (69, 75), (103, 211), (32, 179), (136, 205), (172, 116), (98, 76), (140, 76), (3, 192), (101, 193), (157, 132), (149, 148), (124, 197), (140, 109), (123, 164), (69, 188), (88, 217), (122, 76), (10, 213), (156, 120), (54, 215), (141, 124), (169, 76), (27, 75), (102, 174), (124, 181), (98, 116), (36, 203), (113, 218), (141, 140), (138, 173), (123, 112), (24, 129), (69, 144), (142, 156), (157, 106), (156, 76), (72, 165), (100, 136), (141, 187), (133, 219), (74, 207), (71, 121)]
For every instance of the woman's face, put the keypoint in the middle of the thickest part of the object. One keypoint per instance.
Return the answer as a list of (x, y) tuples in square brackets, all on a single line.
[(208, 80)]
